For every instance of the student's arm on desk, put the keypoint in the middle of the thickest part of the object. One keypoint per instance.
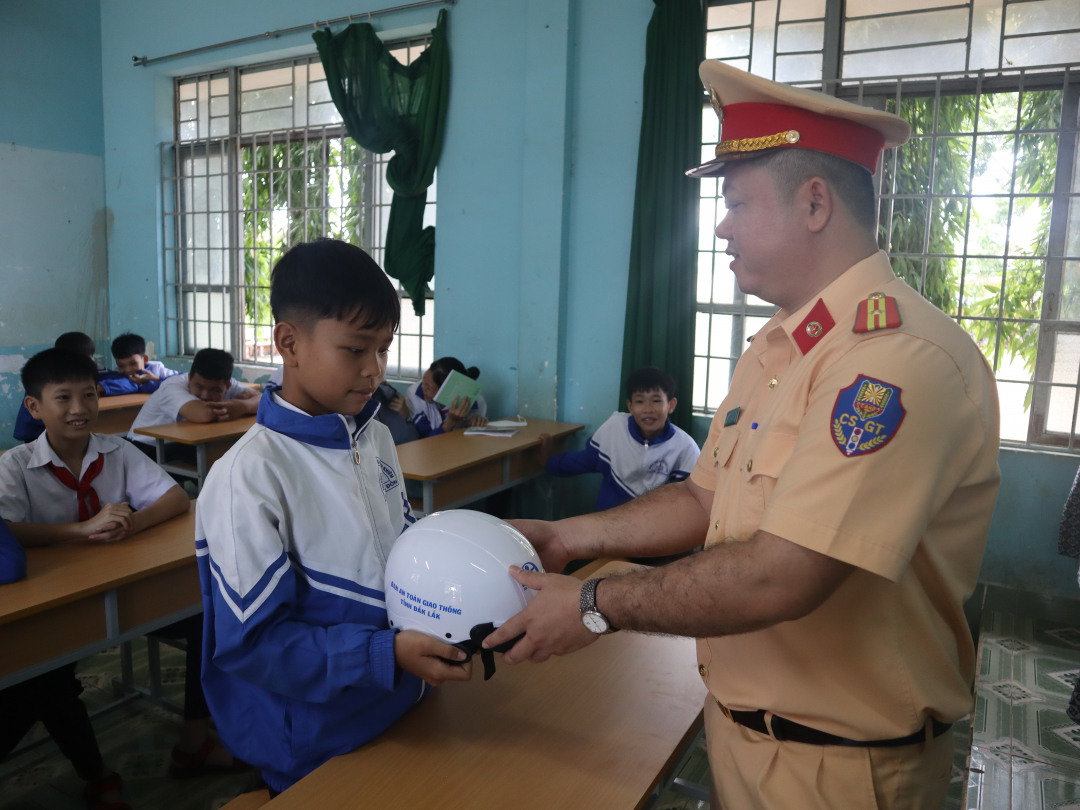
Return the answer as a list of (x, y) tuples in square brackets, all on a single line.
[(202, 412), (174, 502), (113, 522), (12, 556)]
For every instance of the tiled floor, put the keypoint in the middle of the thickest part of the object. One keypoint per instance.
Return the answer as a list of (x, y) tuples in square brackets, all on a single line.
[(135, 740), (1026, 750)]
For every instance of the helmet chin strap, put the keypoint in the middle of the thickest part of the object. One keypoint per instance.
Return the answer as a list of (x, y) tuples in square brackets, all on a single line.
[(475, 644)]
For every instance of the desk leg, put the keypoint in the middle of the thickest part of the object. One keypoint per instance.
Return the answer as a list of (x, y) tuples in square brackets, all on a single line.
[(200, 463), (160, 447), (127, 671), (153, 664), (429, 497)]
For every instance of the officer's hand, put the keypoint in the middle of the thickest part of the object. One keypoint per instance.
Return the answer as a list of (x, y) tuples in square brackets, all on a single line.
[(551, 622), (420, 654), (545, 538)]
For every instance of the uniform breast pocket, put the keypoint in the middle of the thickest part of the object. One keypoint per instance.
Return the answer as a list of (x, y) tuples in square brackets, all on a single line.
[(722, 452), (765, 460)]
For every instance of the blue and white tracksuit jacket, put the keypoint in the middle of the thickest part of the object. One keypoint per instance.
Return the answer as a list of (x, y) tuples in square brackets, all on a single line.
[(115, 386), (428, 417), (631, 465), (293, 528)]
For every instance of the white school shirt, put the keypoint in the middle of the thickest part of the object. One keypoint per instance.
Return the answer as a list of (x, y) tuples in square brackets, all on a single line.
[(158, 368), (164, 405), (31, 493)]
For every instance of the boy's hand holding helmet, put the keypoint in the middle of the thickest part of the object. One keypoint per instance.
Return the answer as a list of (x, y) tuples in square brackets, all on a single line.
[(448, 580), (426, 657)]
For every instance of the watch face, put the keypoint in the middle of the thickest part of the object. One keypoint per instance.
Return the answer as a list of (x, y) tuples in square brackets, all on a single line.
[(595, 622)]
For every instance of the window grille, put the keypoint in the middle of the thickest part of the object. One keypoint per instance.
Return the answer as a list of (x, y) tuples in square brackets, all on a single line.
[(978, 211), (261, 162)]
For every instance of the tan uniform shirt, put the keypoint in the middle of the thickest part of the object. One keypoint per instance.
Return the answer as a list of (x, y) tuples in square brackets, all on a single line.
[(878, 449)]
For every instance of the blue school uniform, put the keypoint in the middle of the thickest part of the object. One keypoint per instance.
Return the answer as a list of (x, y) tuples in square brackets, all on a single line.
[(12, 556), (293, 528), (115, 386), (631, 464)]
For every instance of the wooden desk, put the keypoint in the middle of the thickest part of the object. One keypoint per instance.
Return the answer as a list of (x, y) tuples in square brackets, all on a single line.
[(117, 414), (77, 600), (210, 441), (457, 469), (596, 729)]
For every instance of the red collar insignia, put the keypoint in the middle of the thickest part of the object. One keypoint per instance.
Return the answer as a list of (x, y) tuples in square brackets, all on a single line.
[(814, 327)]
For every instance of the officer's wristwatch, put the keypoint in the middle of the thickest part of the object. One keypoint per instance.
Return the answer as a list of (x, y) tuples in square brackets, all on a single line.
[(592, 618)]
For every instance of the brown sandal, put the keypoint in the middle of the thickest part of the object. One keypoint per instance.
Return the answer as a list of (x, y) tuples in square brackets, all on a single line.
[(186, 766), (93, 790)]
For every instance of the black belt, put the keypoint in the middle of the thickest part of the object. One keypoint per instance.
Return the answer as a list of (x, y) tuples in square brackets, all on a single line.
[(790, 731)]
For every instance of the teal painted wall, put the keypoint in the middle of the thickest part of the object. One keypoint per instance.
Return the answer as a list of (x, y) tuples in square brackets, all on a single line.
[(53, 221), (536, 179), (1021, 551)]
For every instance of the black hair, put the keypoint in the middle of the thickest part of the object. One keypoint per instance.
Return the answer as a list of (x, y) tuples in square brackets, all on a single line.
[(329, 278), (56, 366), (76, 342), (128, 345), (649, 378), (212, 364), (852, 184), (442, 367)]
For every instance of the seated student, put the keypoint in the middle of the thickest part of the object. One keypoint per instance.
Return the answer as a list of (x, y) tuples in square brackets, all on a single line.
[(26, 427), (429, 416), (45, 504), (635, 452), (207, 393), (139, 374), (293, 528), (71, 485)]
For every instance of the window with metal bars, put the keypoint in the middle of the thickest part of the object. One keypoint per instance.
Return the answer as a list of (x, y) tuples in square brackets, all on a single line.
[(978, 211), (261, 162)]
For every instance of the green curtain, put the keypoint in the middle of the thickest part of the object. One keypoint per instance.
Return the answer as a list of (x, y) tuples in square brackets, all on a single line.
[(660, 301), (390, 106)]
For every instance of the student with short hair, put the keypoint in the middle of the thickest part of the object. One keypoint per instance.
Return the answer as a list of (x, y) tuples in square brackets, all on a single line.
[(72, 485), (431, 418), (27, 428), (293, 529), (635, 452), (207, 393), (138, 373)]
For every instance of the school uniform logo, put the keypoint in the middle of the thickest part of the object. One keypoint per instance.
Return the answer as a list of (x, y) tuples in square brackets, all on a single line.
[(658, 467), (866, 416), (387, 477)]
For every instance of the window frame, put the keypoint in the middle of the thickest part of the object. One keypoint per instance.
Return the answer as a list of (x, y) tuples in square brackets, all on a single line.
[(178, 214), (875, 91)]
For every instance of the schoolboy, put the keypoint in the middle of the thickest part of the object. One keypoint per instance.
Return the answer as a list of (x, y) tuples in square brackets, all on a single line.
[(207, 393), (72, 485), (27, 428), (138, 373), (293, 529), (635, 452)]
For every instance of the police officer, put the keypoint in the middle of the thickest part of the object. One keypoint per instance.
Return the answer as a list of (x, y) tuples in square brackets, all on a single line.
[(843, 496)]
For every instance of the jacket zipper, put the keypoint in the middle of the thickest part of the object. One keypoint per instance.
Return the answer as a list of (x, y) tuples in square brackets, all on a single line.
[(364, 498)]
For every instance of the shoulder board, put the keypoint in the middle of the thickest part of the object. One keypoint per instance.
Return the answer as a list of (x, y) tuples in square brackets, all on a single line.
[(879, 311)]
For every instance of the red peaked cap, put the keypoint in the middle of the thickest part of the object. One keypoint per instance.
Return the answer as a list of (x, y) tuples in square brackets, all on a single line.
[(824, 133)]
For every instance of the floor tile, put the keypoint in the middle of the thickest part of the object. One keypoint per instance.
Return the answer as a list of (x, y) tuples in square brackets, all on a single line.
[(1045, 788)]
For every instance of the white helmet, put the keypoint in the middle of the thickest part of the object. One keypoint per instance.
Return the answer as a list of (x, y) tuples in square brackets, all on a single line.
[(447, 576)]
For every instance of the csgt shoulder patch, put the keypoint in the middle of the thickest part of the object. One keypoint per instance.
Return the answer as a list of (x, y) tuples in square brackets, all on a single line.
[(866, 416)]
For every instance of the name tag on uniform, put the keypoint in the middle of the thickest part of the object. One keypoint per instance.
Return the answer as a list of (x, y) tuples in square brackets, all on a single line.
[(732, 417)]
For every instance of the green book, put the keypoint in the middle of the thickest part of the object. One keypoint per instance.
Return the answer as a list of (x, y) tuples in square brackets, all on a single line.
[(457, 386)]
